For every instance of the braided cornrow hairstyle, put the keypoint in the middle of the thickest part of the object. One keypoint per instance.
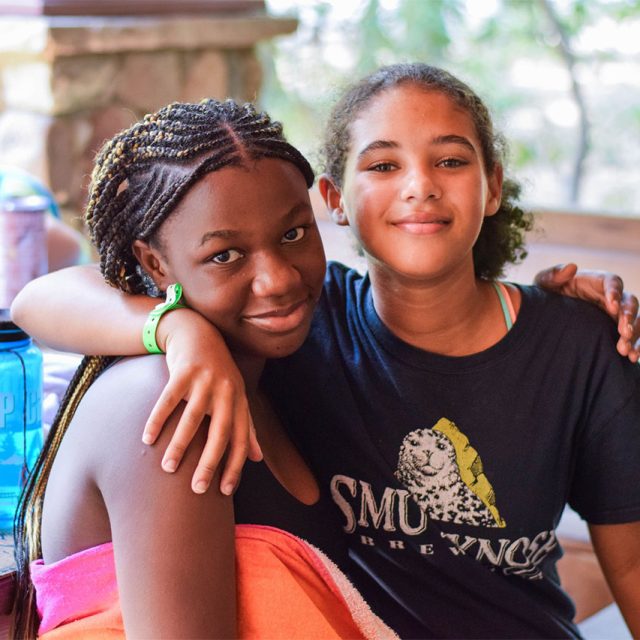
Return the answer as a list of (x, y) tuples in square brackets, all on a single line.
[(139, 178), (143, 172), (501, 239)]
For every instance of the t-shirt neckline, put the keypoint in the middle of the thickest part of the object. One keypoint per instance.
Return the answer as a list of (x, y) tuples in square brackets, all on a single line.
[(422, 359)]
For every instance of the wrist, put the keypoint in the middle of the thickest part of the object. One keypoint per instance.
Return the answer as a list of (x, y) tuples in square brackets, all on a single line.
[(172, 301), (175, 324)]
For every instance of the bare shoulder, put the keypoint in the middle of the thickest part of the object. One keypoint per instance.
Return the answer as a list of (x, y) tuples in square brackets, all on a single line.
[(103, 446), (173, 549), (112, 416), (104, 434), (123, 394), (514, 295)]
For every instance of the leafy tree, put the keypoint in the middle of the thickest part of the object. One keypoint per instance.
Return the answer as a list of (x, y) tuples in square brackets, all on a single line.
[(572, 130)]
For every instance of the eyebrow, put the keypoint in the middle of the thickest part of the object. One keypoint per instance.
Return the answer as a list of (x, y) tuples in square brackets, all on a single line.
[(299, 207), (438, 140), (225, 234), (378, 144), (228, 234), (454, 139)]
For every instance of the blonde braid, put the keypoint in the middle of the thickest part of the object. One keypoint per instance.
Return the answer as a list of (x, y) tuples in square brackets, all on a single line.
[(29, 514)]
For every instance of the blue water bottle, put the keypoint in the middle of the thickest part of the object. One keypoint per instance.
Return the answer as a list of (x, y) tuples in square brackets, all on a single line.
[(20, 414)]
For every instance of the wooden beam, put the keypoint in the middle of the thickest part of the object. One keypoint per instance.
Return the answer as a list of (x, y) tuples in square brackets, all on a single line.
[(587, 230), (124, 7)]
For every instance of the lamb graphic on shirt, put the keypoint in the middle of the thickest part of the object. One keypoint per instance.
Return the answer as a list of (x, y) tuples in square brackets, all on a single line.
[(444, 474)]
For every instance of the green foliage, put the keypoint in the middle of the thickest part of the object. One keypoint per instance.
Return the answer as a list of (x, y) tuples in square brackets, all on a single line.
[(521, 58)]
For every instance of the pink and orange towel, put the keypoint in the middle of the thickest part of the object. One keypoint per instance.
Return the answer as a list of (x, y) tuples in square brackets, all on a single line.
[(286, 589)]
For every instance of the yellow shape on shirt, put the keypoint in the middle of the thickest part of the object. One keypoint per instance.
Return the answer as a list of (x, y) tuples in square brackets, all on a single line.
[(470, 466)]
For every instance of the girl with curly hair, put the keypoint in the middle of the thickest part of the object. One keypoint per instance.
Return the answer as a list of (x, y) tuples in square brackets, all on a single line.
[(454, 416)]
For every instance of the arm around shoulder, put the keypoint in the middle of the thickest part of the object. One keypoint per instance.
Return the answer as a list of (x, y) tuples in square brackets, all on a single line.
[(174, 550), (74, 309)]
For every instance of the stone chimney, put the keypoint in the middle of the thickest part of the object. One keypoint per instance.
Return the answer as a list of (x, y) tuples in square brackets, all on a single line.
[(74, 72)]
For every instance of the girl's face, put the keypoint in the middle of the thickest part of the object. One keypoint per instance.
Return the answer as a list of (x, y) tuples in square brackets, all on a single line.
[(415, 189), (244, 244)]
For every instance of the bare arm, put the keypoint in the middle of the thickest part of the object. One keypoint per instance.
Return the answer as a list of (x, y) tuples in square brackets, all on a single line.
[(618, 549), (74, 309), (174, 550)]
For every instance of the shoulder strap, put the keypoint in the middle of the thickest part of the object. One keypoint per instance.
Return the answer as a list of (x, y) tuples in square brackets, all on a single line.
[(505, 303)]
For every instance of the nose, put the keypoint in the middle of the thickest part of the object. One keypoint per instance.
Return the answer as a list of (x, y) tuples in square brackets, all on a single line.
[(275, 275), (420, 185)]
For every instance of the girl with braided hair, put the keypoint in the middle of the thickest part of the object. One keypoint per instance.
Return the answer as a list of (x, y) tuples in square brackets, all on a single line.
[(175, 198)]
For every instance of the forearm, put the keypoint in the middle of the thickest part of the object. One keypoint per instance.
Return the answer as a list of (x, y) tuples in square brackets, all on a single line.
[(626, 591), (618, 550), (76, 310)]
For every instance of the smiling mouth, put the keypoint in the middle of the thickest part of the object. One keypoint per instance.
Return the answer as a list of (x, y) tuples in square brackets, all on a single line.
[(422, 225), (280, 319)]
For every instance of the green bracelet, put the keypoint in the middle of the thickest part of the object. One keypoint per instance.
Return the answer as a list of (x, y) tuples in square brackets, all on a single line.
[(172, 301)]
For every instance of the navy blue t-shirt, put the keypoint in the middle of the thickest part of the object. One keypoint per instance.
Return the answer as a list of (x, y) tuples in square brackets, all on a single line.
[(450, 474), (261, 499)]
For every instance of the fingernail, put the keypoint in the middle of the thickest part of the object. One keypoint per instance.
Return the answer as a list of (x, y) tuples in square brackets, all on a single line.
[(560, 267), (146, 438), (169, 465), (200, 486), (227, 489)]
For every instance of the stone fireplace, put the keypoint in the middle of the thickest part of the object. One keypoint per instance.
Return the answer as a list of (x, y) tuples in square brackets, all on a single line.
[(74, 72)]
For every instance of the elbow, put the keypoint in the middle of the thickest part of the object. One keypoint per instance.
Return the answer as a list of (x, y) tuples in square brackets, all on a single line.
[(24, 306)]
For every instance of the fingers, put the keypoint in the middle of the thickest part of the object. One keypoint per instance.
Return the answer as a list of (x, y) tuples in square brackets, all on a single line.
[(219, 434), (230, 430), (613, 289), (255, 451), (555, 277), (629, 327), (564, 272), (164, 407), (634, 355), (629, 312), (238, 450), (190, 420), (605, 290)]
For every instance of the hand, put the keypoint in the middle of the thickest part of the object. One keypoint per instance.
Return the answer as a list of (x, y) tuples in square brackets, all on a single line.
[(203, 374), (605, 290)]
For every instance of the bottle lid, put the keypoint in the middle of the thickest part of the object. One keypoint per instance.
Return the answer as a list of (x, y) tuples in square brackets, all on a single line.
[(25, 204), (9, 331)]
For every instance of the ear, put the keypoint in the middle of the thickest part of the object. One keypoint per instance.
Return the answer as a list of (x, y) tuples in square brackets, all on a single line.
[(494, 195), (332, 197), (153, 263)]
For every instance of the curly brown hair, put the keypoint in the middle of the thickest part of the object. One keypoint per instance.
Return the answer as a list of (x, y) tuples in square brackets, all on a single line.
[(501, 239)]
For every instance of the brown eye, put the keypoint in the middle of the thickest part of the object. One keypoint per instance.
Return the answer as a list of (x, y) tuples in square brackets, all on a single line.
[(293, 235), (452, 163), (226, 257), (382, 167)]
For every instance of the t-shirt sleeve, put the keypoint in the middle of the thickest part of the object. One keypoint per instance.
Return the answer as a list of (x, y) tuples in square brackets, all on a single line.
[(606, 483)]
